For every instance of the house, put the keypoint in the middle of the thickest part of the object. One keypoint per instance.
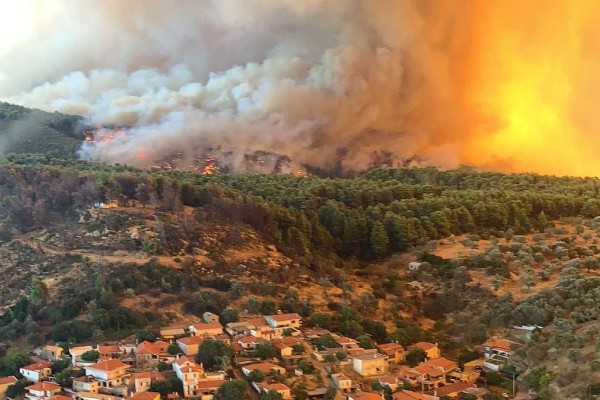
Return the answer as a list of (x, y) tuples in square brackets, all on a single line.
[(195, 380), (36, 372), (365, 396), (280, 388), (250, 342), (206, 329), (210, 317), (284, 349), (171, 333), (452, 390), (209, 387), (431, 349), (265, 368), (370, 364), (342, 382), (432, 373), (51, 352), (77, 352), (358, 351), (143, 380), (109, 351), (151, 352), (5, 382), (410, 395), (86, 384), (390, 381), (146, 396), (346, 343), (283, 321), (42, 390), (95, 396), (110, 375), (394, 352), (190, 345), (499, 347), (239, 328), (60, 397)]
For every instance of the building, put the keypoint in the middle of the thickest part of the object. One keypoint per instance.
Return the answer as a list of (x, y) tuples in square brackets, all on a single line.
[(346, 343), (190, 345), (431, 349), (209, 387), (42, 390), (36, 372), (110, 375), (452, 390), (148, 352), (51, 352), (499, 347), (196, 381), (284, 349), (210, 317), (145, 396), (342, 382), (265, 368), (370, 364), (86, 384), (206, 329), (390, 381), (393, 351), (410, 395), (142, 381), (171, 333), (365, 396), (5, 382), (432, 373), (95, 396), (284, 321), (109, 351), (280, 388), (77, 352)]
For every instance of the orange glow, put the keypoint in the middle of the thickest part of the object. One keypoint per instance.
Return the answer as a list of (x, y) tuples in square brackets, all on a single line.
[(140, 155), (532, 89)]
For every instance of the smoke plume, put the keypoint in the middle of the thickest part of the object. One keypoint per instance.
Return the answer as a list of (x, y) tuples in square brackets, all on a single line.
[(501, 85)]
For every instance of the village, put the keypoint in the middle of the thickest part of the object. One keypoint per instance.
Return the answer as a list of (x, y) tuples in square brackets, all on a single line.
[(274, 354)]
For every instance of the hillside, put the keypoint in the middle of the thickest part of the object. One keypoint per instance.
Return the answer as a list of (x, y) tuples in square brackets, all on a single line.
[(124, 249), (24, 130)]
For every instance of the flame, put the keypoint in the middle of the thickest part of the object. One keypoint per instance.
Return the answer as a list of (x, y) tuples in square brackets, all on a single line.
[(531, 90)]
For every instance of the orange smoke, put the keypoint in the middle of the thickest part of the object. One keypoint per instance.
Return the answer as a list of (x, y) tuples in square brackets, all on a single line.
[(533, 87)]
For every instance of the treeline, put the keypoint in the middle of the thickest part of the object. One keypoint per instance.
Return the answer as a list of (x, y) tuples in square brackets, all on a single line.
[(384, 211)]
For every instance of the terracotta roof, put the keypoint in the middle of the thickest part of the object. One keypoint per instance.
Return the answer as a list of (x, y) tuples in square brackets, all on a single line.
[(280, 345), (409, 395), (44, 386), (207, 326), (53, 348), (8, 380), (258, 321), (262, 367), (423, 346), (183, 360), (192, 368), (79, 350), (344, 340), (145, 396), (436, 367), (37, 366), (210, 384), (290, 341), (284, 317), (108, 365), (191, 340), (275, 386), (501, 344), (390, 348), (369, 396), (156, 348), (110, 349), (60, 397), (452, 388), (357, 351), (389, 379)]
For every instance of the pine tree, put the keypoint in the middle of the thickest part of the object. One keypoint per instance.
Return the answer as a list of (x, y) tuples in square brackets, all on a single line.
[(379, 240)]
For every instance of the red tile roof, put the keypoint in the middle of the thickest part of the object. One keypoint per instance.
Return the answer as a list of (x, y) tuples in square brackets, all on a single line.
[(423, 346), (262, 367), (108, 365), (37, 366), (452, 388), (145, 396), (369, 396), (8, 380), (210, 384), (191, 340), (60, 397), (157, 348), (110, 349), (207, 326), (44, 386), (501, 344), (390, 348), (409, 395)]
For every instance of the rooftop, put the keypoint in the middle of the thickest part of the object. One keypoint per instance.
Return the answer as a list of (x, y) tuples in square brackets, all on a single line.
[(108, 365)]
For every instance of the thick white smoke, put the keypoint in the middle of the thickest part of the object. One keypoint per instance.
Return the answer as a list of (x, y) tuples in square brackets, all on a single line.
[(311, 79)]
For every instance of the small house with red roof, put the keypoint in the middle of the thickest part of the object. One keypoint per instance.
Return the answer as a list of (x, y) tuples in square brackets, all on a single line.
[(36, 372)]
